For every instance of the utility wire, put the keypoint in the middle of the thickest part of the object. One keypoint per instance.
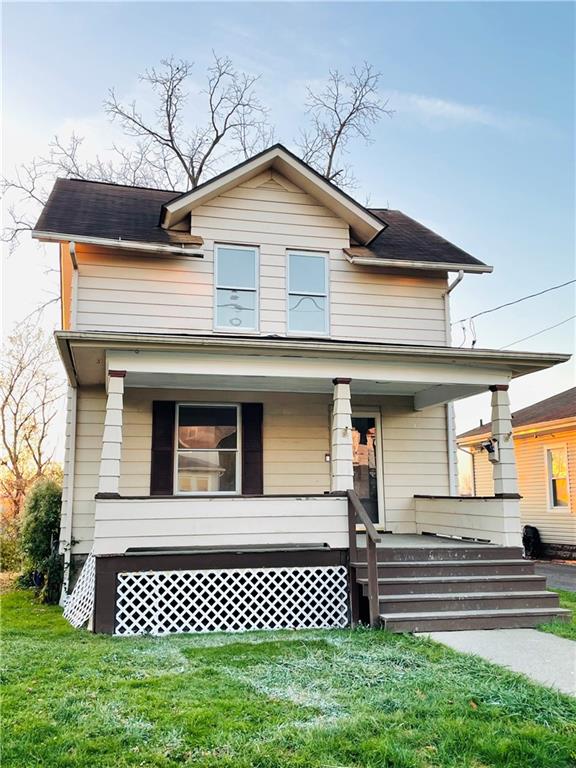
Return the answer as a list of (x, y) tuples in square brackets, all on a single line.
[(550, 327), (516, 301)]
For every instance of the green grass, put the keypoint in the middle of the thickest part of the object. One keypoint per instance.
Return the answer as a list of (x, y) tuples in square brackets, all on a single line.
[(331, 699), (563, 628)]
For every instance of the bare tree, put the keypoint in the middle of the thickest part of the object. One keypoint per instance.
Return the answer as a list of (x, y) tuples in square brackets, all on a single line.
[(162, 150), (29, 393), (347, 108), (179, 143), (236, 121)]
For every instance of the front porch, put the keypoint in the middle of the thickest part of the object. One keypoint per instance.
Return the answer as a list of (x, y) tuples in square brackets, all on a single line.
[(288, 468)]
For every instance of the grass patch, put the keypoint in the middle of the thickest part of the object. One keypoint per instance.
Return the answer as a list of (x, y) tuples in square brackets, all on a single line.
[(563, 628), (330, 699)]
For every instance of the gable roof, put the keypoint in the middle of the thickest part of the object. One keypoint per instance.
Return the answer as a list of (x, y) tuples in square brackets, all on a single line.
[(364, 224), (555, 408), (116, 214)]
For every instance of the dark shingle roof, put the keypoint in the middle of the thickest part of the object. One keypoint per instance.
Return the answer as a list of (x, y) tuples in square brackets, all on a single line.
[(95, 209), (407, 240), (561, 406)]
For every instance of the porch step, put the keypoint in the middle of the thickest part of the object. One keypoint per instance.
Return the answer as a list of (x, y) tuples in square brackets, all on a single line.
[(451, 584), (444, 591), (438, 621), (405, 554), (423, 568), (466, 601)]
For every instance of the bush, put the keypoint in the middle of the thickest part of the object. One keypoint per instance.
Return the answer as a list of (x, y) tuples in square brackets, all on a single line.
[(39, 538), (10, 553)]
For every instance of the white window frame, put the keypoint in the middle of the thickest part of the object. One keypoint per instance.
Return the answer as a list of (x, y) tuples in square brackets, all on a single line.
[(177, 450), (548, 469), (326, 256), (256, 290)]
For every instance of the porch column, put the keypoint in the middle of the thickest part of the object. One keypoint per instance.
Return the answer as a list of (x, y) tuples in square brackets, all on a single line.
[(341, 468), (109, 475), (504, 469)]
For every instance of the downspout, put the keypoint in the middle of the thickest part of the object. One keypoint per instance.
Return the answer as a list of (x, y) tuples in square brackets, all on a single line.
[(70, 458), (450, 423), (70, 472)]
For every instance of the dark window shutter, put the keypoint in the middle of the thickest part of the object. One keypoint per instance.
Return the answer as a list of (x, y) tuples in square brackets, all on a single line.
[(252, 462), (162, 465)]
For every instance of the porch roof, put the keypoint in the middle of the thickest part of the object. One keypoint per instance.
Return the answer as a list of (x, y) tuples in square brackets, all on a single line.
[(432, 375)]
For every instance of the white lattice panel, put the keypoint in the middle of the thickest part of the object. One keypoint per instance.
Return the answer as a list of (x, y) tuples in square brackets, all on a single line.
[(231, 600), (80, 604)]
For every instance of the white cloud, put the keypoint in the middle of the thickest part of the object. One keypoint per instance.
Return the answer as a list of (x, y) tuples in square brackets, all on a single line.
[(444, 112)]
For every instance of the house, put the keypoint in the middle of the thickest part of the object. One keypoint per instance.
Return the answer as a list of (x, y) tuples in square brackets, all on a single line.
[(545, 447), (259, 413)]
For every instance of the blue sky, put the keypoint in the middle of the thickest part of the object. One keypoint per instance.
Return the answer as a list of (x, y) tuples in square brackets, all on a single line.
[(480, 147)]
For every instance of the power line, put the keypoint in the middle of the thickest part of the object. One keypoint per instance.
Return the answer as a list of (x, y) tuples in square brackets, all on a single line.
[(516, 301), (550, 327)]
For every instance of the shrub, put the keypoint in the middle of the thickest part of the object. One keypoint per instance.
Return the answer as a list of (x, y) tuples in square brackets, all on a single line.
[(39, 539), (10, 553)]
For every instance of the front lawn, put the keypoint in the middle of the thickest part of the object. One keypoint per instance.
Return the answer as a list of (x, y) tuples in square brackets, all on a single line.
[(563, 628), (331, 699)]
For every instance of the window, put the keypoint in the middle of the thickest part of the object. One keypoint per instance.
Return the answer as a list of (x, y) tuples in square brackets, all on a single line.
[(558, 477), (207, 451), (236, 288), (307, 293)]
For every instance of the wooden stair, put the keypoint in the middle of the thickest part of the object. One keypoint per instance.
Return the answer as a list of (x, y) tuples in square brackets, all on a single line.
[(449, 588)]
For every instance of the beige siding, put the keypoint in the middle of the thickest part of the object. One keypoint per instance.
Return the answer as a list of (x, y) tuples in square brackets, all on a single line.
[(415, 459), (296, 438), (555, 525), (483, 480), (125, 523), (123, 292)]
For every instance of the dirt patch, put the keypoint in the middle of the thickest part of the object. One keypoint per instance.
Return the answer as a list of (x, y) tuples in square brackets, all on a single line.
[(7, 579)]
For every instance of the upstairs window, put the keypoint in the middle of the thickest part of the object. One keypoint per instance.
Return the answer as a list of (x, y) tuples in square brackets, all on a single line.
[(236, 288), (307, 293), (207, 450), (557, 477)]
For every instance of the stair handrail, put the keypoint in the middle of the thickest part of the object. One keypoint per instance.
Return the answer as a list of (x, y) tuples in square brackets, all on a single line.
[(357, 513)]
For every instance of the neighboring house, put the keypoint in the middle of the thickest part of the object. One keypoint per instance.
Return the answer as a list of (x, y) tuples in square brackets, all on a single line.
[(255, 367), (545, 446)]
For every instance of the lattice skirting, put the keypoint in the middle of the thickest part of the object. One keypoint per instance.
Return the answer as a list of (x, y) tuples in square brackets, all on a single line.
[(231, 600), (80, 603)]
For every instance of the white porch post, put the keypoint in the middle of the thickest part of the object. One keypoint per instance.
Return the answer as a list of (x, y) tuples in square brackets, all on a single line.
[(109, 475), (504, 469), (341, 467)]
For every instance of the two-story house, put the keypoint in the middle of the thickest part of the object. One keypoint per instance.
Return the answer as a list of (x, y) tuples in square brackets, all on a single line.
[(259, 413)]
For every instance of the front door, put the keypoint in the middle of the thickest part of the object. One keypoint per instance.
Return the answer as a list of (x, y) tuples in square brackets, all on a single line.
[(366, 458)]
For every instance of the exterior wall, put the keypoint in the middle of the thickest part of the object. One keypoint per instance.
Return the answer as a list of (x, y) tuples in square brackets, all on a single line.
[(296, 438), (415, 448), (168, 294), (66, 272), (555, 526), (483, 481)]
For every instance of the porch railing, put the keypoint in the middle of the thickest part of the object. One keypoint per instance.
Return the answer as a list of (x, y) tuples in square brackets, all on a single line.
[(483, 518), (357, 514), (155, 522)]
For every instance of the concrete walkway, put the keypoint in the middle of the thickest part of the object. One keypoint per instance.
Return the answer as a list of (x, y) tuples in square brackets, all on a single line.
[(545, 658)]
